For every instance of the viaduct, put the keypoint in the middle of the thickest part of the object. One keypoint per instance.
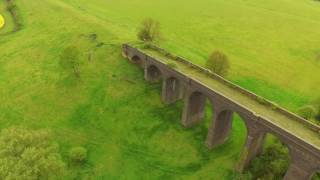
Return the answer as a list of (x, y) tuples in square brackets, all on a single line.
[(184, 80)]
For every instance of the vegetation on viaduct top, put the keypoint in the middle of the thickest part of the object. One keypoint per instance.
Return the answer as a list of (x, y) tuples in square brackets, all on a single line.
[(263, 108)]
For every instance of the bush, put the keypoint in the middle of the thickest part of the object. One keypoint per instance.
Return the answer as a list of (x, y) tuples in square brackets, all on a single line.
[(78, 154), (172, 65), (218, 63), (29, 154), (271, 164), (149, 31), (261, 100), (307, 112)]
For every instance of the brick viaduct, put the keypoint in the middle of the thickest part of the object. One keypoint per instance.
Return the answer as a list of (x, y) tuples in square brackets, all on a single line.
[(304, 157)]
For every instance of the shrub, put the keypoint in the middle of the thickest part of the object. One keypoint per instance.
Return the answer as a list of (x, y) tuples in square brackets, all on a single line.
[(271, 164), (261, 100), (172, 65), (149, 31), (78, 154), (218, 63), (29, 154), (307, 112)]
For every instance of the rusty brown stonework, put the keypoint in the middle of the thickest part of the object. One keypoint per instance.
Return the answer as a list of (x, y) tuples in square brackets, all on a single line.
[(304, 158)]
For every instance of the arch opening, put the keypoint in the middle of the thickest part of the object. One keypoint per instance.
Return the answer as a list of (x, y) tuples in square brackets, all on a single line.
[(272, 162), (136, 59), (228, 131), (198, 110), (153, 74), (173, 90)]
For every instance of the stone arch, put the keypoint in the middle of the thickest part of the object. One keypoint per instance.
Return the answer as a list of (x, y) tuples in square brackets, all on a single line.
[(194, 108), (172, 89), (153, 73), (136, 59), (221, 126)]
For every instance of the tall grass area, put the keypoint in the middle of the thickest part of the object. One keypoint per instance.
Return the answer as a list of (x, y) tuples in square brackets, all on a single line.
[(114, 113)]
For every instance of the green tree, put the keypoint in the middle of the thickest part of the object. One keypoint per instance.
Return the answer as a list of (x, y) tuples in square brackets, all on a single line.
[(149, 30), (218, 63), (70, 61), (271, 164), (29, 154)]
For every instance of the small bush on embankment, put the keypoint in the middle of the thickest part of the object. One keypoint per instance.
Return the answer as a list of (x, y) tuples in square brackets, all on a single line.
[(218, 63), (307, 112)]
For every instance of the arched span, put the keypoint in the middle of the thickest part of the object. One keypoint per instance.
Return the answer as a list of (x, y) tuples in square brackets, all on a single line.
[(221, 126), (136, 59), (153, 73), (172, 90), (194, 108)]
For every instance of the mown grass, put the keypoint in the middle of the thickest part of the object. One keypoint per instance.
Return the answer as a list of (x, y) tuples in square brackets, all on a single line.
[(119, 117)]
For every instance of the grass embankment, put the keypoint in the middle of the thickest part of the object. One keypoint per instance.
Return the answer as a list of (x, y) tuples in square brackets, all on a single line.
[(119, 117)]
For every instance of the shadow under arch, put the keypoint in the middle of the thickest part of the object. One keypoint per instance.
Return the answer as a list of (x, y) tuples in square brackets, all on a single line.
[(153, 73), (195, 108), (222, 127), (136, 59), (172, 90)]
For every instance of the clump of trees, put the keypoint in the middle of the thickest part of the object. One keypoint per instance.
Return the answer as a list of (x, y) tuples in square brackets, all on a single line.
[(70, 60), (218, 63), (271, 164), (29, 154), (149, 31)]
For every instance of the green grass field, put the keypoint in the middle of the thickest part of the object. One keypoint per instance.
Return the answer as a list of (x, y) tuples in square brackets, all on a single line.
[(117, 115)]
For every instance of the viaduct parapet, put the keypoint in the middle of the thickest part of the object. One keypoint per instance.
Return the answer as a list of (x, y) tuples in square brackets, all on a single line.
[(194, 85)]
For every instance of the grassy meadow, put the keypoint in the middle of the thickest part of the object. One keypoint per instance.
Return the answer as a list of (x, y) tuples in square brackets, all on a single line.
[(113, 112)]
